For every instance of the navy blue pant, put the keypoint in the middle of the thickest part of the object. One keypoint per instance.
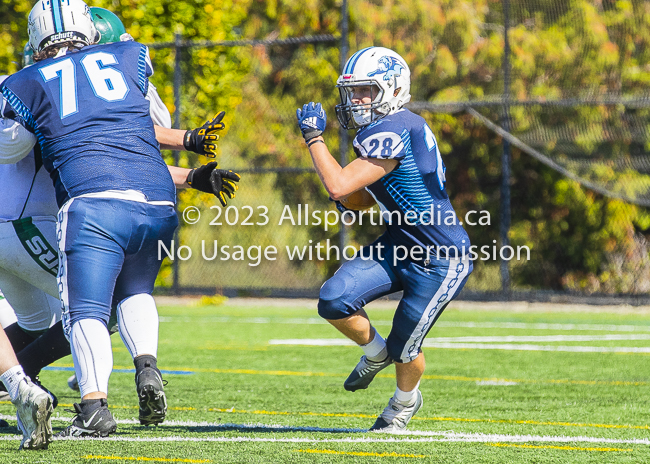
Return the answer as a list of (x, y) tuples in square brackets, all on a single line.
[(427, 291), (108, 251)]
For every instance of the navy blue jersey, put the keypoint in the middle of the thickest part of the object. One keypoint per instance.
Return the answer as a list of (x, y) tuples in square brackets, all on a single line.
[(413, 195), (90, 117)]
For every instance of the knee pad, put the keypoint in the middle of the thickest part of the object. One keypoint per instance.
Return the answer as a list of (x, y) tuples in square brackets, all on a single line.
[(332, 303), (354, 284)]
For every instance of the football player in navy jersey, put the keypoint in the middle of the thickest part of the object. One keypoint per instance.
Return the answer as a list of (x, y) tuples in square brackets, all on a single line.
[(35, 206), (84, 107), (420, 253)]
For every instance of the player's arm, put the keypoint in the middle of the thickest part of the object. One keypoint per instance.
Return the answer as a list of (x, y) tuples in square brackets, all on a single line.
[(170, 139), (16, 142), (202, 140), (179, 176), (207, 178), (339, 182)]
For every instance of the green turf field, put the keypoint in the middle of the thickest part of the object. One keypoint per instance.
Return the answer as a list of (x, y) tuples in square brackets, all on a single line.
[(501, 386)]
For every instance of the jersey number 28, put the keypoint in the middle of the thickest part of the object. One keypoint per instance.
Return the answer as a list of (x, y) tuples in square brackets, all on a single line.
[(107, 83)]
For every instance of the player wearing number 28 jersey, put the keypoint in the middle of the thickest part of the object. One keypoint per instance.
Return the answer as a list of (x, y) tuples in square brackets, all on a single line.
[(84, 106), (399, 163), (412, 198)]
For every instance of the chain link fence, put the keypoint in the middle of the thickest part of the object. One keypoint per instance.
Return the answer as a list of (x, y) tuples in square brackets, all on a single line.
[(541, 112)]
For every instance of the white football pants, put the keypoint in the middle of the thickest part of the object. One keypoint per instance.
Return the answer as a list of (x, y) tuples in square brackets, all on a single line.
[(28, 266)]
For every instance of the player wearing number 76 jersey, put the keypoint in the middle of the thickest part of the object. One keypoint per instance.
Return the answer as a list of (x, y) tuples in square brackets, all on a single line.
[(84, 107), (399, 164)]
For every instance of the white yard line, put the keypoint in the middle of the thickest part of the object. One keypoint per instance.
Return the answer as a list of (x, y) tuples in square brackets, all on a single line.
[(540, 338), (546, 326), (407, 436), (472, 325), (514, 347), (431, 343), (404, 437)]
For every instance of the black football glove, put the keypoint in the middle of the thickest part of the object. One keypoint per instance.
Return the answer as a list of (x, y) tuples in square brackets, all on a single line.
[(203, 140), (209, 179)]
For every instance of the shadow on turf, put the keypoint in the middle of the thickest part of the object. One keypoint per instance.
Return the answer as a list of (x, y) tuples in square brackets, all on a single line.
[(258, 429), (6, 429)]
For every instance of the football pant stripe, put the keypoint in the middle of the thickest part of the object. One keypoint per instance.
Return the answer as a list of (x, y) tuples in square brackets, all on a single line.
[(62, 276), (456, 273)]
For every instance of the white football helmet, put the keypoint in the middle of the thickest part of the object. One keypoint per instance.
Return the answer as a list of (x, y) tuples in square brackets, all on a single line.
[(389, 79), (55, 21)]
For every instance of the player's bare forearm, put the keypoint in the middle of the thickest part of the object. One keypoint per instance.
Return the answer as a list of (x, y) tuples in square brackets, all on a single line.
[(179, 176), (170, 139), (341, 182), (326, 166)]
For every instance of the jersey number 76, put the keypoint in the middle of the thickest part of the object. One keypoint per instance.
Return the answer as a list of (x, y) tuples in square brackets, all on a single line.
[(107, 83)]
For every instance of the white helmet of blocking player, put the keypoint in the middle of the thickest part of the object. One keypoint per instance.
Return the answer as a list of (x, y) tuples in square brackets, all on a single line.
[(56, 21), (389, 79)]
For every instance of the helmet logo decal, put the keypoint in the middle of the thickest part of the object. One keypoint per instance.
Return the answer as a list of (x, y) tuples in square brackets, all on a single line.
[(389, 66)]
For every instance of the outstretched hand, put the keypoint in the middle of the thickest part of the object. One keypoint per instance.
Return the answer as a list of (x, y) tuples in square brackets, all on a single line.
[(311, 120), (203, 140), (220, 182)]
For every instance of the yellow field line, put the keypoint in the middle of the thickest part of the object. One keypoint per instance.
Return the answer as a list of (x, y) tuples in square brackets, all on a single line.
[(359, 453), (437, 419), (572, 448), (286, 413), (142, 458), (392, 376)]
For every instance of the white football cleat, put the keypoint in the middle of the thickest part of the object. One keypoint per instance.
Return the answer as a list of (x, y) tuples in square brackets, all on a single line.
[(33, 410), (396, 416)]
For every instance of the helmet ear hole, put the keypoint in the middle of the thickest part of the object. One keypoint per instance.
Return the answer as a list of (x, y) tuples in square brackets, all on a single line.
[(397, 91)]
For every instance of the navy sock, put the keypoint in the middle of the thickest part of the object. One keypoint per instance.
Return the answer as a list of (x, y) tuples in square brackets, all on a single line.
[(49, 347), (18, 338)]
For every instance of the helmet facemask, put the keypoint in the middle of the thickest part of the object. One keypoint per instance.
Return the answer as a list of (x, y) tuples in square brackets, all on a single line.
[(353, 115)]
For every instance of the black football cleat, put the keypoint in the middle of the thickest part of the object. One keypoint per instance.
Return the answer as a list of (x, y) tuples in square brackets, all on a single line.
[(93, 419), (151, 396)]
